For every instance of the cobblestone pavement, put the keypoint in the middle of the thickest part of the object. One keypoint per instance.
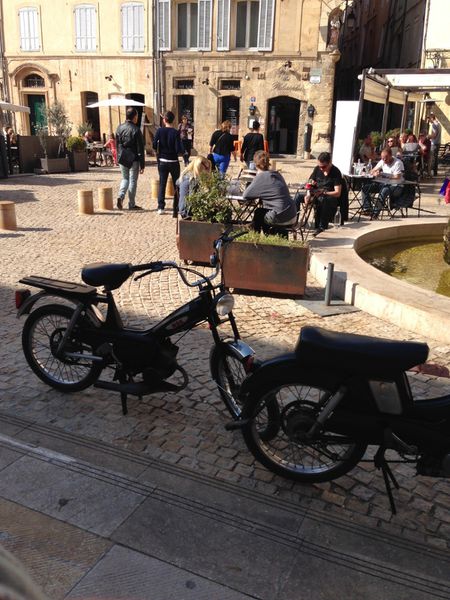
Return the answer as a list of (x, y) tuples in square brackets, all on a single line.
[(185, 429)]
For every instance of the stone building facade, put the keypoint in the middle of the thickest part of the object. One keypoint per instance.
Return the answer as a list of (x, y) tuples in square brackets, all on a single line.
[(263, 59), (76, 52), (210, 59)]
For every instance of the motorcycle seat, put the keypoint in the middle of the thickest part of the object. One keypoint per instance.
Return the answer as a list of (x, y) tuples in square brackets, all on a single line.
[(360, 353), (110, 275)]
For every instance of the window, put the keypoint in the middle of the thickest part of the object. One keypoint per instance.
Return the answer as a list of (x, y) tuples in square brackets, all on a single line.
[(254, 24), (85, 28), (247, 12), (133, 27), (33, 80), (223, 25), (187, 25), (29, 29), (164, 24), (184, 84), (230, 84)]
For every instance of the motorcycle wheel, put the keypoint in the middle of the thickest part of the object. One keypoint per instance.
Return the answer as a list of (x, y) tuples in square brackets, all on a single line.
[(42, 332), (229, 373), (278, 440)]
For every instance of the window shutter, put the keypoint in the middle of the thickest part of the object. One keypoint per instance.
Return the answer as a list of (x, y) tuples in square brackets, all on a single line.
[(223, 25), (29, 29), (85, 28), (133, 27), (265, 24), (204, 24), (164, 24)]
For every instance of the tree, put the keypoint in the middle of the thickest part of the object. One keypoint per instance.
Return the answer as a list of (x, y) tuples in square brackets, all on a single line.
[(59, 124)]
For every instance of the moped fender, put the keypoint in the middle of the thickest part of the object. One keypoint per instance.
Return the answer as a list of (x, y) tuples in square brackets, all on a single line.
[(240, 349), (26, 307), (285, 369)]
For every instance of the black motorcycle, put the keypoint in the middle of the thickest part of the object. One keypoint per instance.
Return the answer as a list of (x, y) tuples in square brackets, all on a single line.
[(310, 415), (69, 347)]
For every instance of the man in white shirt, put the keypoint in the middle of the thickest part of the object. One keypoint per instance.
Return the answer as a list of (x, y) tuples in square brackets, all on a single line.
[(391, 168)]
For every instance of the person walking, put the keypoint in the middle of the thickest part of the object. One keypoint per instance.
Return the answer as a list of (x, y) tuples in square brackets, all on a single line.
[(251, 143), (435, 138), (221, 146), (186, 130), (131, 158), (168, 146)]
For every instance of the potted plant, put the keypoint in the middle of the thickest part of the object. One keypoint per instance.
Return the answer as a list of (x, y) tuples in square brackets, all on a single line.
[(268, 264), (78, 157), (210, 211), (59, 124)]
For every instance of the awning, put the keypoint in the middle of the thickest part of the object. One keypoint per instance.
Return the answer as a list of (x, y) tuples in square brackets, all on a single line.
[(14, 107), (414, 82), (115, 102)]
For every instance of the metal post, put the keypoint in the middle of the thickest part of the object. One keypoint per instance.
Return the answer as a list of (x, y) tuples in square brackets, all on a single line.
[(329, 284)]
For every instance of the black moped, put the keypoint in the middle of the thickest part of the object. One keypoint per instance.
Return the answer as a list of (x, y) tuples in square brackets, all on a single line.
[(310, 415), (69, 347)]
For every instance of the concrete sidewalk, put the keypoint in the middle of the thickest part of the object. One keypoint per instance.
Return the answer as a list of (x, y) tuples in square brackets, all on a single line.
[(92, 521)]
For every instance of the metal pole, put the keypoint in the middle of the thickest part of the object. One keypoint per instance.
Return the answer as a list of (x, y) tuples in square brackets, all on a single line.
[(329, 284)]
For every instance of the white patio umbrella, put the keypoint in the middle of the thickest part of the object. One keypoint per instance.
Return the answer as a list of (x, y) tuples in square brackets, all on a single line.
[(14, 107), (115, 102)]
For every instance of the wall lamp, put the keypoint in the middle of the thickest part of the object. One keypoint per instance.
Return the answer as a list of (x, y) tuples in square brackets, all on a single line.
[(311, 111), (109, 77), (287, 64), (206, 81), (351, 19)]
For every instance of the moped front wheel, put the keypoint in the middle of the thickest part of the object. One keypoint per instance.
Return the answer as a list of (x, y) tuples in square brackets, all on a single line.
[(281, 441), (41, 335), (228, 371)]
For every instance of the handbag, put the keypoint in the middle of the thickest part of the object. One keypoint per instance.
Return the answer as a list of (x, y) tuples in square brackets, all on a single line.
[(127, 158), (210, 157)]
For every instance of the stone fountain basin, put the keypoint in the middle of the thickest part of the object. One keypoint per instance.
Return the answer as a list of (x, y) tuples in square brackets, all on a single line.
[(408, 306)]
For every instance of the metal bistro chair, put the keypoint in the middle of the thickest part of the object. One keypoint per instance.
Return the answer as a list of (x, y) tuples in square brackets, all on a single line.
[(301, 225)]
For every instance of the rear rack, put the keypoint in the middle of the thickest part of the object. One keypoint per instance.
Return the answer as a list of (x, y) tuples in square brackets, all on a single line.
[(67, 287)]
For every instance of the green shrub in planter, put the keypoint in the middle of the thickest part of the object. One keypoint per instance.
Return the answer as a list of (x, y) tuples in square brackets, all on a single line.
[(209, 202), (75, 143)]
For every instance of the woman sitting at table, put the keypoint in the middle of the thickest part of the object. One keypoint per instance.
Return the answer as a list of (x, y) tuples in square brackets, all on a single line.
[(269, 187), (188, 181)]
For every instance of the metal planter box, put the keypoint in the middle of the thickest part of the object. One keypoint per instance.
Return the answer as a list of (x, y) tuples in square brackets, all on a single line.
[(55, 165), (264, 268), (195, 239), (79, 161)]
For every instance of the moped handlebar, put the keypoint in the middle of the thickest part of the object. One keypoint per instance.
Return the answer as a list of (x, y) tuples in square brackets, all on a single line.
[(155, 267)]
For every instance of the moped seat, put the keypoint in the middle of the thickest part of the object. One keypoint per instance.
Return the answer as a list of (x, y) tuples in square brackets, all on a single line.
[(361, 354), (111, 276)]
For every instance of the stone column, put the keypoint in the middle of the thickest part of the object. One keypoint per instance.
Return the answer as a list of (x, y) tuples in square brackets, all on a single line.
[(321, 97)]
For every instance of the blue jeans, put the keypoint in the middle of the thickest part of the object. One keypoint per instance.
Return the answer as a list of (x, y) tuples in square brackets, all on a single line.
[(129, 182), (222, 162)]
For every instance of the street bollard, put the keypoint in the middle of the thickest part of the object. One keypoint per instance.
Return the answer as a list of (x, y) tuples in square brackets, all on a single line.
[(105, 198), (8, 215), (170, 189), (329, 284), (155, 188), (85, 202)]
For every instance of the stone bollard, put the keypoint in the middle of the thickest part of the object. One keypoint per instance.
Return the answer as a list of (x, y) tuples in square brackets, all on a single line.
[(170, 189), (85, 202), (273, 165), (155, 188), (105, 198), (8, 215)]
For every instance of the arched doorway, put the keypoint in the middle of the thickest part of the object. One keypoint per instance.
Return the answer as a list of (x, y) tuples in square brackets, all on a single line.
[(282, 130)]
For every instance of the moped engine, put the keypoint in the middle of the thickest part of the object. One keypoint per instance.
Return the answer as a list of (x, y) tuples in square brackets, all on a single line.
[(434, 466), (152, 357)]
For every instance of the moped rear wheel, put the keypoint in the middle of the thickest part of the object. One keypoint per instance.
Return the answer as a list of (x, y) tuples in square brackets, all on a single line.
[(229, 372), (42, 332), (279, 439)]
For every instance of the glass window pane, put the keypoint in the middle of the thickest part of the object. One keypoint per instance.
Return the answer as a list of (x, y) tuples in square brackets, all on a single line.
[(194, 25), (241, 24), (182, 26), (254, 13)]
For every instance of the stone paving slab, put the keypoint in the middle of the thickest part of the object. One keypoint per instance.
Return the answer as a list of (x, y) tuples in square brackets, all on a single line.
[(124, 573), (56, 555), (187, 429)]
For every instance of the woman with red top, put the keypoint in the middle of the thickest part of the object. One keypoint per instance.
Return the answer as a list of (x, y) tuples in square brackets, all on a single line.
[(111, 147)]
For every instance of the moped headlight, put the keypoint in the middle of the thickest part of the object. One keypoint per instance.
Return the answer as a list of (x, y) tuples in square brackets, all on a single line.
[(224, 304)]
